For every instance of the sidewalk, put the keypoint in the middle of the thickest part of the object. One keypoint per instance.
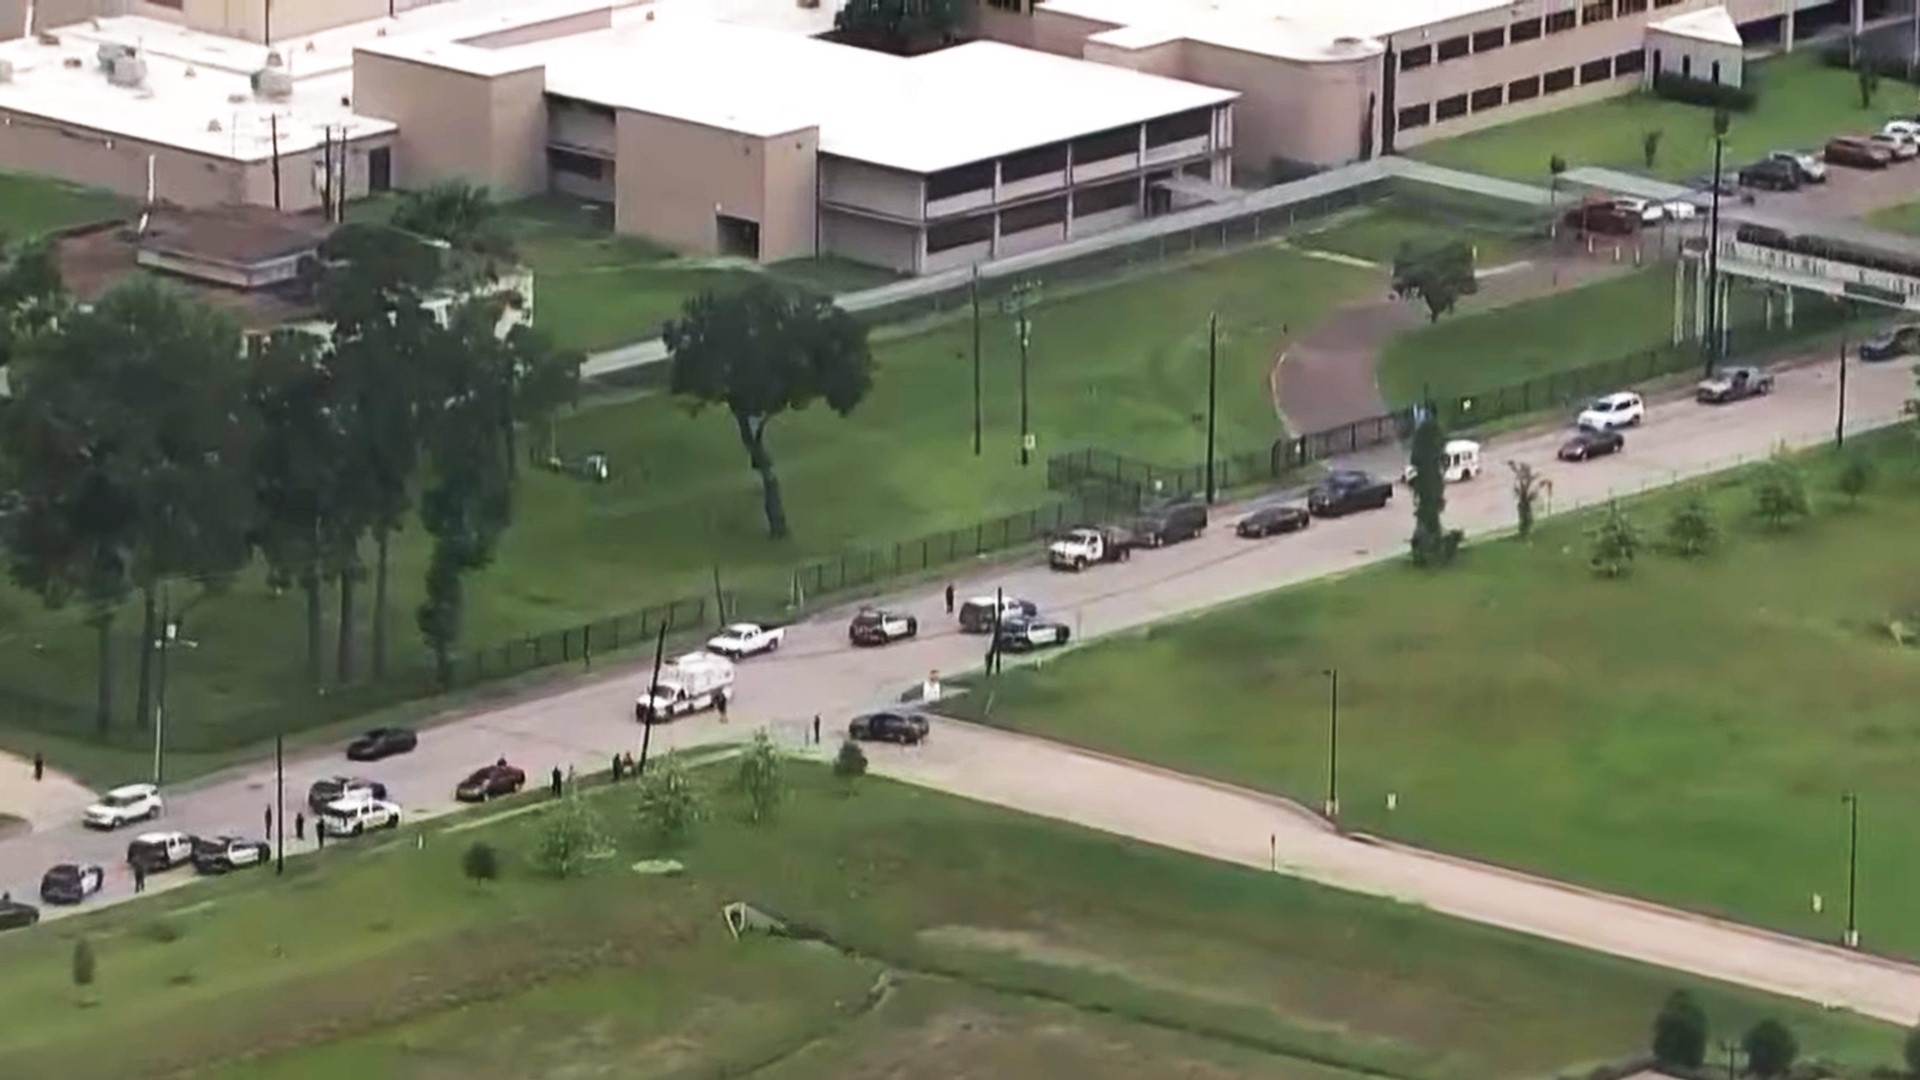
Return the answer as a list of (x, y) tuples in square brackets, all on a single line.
[(54, 799)]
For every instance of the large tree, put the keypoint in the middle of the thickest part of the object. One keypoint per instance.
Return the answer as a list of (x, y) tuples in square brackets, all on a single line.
[(1433, 545), (761, 352), (461, 214), (1437, 275), (32, 294)]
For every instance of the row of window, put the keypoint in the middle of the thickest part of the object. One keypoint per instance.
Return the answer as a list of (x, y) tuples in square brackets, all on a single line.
[(1193, 124), (1491, 97), (959, 232), (1523, 30)]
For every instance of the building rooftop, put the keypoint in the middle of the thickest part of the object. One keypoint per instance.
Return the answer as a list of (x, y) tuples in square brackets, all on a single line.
[(1302, 30), (922, 114), (1708, 24)]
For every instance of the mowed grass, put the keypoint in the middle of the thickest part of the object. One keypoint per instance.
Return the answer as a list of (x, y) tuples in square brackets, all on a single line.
[(965, 941), (1802, 103), (1904, 218), (32, 205), (1122, 367), (1684, 734), (1376, 233)]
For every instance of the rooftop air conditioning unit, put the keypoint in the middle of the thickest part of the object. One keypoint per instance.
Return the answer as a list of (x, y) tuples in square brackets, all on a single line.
[(6, 71), (273, 84), (128, 70), (49, 39), (109, 52)]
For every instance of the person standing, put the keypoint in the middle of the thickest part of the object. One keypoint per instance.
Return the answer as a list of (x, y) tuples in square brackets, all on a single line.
[(299, 825), (816, 729), (139, 878), (720, 704), (39, 766), (616, 768), (268, 828), (949, 597), (556, 781)]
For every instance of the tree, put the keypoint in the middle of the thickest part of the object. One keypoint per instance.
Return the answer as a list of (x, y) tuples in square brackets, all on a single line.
[(760, 778), (83, 963), (901, 26), (1780, 494), (463, 215), (571, 836), (1615, 542), (480, 862), (1438, 275), (1910, 1051), (851, 763), (1528, 488), (761, 352), (1433, 544), (670, 804), (1771, 1048), (1556, 165), (1650, 145), (1691, 531), (1855, 476), (32, 295), (1680, 1032), (1868, 82)]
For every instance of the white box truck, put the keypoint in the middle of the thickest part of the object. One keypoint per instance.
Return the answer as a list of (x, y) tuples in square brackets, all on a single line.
[(687, 684)]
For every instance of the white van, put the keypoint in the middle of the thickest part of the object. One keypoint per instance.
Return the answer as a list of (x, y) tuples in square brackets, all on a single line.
[(688, 684)]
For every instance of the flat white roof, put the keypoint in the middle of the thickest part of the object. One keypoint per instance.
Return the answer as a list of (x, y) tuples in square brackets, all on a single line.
[(1708, 24), (1301, 30), (922, 114)]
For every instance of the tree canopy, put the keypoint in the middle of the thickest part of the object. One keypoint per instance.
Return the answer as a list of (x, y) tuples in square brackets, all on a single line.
[(1437, 275)]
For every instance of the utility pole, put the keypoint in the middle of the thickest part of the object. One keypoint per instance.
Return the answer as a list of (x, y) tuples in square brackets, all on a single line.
[(1852, 800), (280, 804), (1840, 409), (168, 631), (1020, 300), (1333, 744), (1213, 383), (273, 126), (973, 298), (1713, 252), (653, 693)]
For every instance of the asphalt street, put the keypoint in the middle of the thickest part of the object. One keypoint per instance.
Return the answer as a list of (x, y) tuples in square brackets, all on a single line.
[(818, 673)]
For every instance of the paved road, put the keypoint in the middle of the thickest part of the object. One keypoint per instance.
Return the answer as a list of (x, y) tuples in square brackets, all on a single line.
[(817, 673)]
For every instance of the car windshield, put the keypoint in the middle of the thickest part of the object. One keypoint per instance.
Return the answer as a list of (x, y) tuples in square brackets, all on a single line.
[(480, 776), (63, 874), (122, 799), (737, 632)]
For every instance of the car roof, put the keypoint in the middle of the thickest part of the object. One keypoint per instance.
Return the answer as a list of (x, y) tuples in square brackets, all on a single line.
[(159, 837), (350, 804), (129, 790), (1617, 396), (739, 628)]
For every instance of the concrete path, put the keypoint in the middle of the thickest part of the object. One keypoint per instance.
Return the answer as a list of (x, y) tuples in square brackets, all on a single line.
[(55, 799)]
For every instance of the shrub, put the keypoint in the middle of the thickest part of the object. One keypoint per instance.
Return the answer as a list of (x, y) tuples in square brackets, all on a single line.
[(1910, 1051), (161, 931), (1854, 478), (760, 778), (1680, 1032), (669, 803), (572, 835), (1615, 542), (1691, 531), (851, 763), (1770, 1048), (1780, 495), (83, 963), (480, 862), (1711, 95)]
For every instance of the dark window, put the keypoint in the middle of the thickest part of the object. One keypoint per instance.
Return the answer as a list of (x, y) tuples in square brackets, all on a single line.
[(176, 5), (1093, 200), (1187, 125), (1449, 107), (1107, 144), (1489, 40), (1630, 62), (1005, 5), (1632, 7), (952, 234), (1524, 30), (1594, 71), (951, 182), (1417, 57), (1414, 116), (567, 161), (1664, 3), (1716, 72), (1487, 97), (1686, 66), (1033, 215), (1523, 89), (1452, 47), (1561, 21), (1030, 163), (380, 169), (1555, 81), (1599, 11)]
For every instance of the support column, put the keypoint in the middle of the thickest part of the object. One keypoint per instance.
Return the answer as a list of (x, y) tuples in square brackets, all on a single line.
[(1726, 324), (1789, 306), (1766, 300), (1786, 38), (1679, 300), (1700, 302)]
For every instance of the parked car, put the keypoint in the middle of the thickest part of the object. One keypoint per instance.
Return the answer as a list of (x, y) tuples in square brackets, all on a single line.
[(15, 915), (1170, 522), (1603, 216), (687, 684), (382, 743), (491, 782), (1459, 460), (746, 639), (1078, 549), (1897, 147), (1771, 175), (978, 615), (1680, 209), (124, 806), (1898, 341), (880, 626), (1347, 490), (905, 728), (70, 883), (219, 854), (1857, 153), (335, 789), (1905, 132), (351, 817), (1026, 635), (1811, 169), (157, 851), (1706, 185), (1733, 384), (1648, 211), (1622, 409), (1586, 444), (1268, 520)]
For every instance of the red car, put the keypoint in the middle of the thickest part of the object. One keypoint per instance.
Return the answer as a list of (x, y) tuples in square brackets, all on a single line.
[(497, 779)]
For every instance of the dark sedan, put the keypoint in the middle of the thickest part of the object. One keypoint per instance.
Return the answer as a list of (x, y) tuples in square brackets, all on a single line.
[(1269, 520), (1588, 443), (324, 793), (381, 743), (15, 915), (493, 781), (1893, 343), (907, 729)]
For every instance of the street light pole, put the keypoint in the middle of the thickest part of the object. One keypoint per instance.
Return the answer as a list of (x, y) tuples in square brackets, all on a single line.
[(1333, 744), (973, 297), (169, 630), (1853, 865), (1713, 259), (1213, 383), (1840, 419), (280, 804), (1026, 438)]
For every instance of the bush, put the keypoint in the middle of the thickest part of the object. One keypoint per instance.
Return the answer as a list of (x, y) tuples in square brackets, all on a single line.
[(83, 963), (1910, 1051), (1690, 528), (161, 931), (572, 835), (1680, 1032), (760, 779), (1711, 95), (480, 862), (1780, 495), (1770, 1048), (851, 763), (1615, 543), (1854, 478), (669, 803)]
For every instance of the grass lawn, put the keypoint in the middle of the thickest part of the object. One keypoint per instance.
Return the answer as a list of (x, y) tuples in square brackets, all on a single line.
[(1684, 734), (30, 205), (1802, 103), (1121, 366), (1375, 233), (1505, 346), (970, 942), (1904, 218)]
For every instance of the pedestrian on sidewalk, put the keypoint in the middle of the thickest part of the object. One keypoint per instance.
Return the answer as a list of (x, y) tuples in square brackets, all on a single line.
[(299, 825), (556, 781), (949, 597), (39, 766), (268, 833), (816, 729), (139, 878), (616, 768), (720, 705)]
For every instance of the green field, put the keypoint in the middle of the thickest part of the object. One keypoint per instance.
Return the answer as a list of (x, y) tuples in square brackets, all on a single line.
[(1121, 366), (1684, 734), (966, 941), (30, 205), (1802, 103), (1904, 218), (1375, 233)]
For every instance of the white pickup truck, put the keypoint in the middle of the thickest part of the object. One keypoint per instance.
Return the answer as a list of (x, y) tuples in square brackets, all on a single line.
[(688, 684), (1081, 548), (745, 639)]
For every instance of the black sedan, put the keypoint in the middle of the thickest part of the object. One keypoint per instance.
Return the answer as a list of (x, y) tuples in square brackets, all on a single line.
[(1269, 520), (1588, 443), (381, 743), (70, 883), (495, 780), (15, 915), (905, 728)]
